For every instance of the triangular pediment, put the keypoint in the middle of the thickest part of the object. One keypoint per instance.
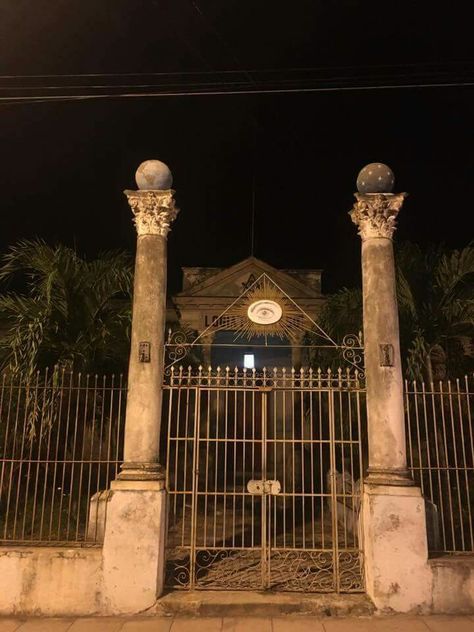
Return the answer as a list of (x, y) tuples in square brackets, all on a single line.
[(231, 282)]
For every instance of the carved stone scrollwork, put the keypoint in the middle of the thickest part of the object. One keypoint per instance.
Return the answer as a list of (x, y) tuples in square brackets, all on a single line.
[(154, 211), (375, 214)]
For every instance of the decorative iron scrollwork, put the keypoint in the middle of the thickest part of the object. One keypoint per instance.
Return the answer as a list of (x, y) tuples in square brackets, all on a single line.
[(224, 568), (178, 565), (302, 571), (176, 349), (353, 352), (350, 571)]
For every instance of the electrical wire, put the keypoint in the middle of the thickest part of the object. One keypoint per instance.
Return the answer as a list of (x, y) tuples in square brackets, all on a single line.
[(243, 70), (230, 92)]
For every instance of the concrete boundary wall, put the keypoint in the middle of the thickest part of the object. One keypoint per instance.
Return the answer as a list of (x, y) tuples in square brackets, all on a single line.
[(50, 580), (453, 584), (53, 581)]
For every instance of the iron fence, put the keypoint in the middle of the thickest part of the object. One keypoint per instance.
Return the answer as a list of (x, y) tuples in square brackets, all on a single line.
[(440, 441), (61, 442), (264, 476)]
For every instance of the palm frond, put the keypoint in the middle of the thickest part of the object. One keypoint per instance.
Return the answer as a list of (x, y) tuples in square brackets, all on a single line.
[(342, 313), (454, 275), (85, 307)]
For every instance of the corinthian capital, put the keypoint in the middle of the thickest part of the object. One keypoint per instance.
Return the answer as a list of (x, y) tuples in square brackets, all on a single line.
[(375, 214), (153, 211)]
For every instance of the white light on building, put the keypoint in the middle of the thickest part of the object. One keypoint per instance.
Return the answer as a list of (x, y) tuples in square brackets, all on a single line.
[(249, 361)]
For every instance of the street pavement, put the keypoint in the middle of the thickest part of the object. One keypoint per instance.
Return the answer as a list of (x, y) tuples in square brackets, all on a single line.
[(435, 623)]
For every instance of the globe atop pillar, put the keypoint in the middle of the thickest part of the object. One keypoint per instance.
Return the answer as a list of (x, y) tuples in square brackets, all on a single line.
[(375, 178), (153, 175)]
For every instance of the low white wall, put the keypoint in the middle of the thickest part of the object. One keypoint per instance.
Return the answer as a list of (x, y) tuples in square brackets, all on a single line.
[(60, 581), (453, 584), (50, 580)]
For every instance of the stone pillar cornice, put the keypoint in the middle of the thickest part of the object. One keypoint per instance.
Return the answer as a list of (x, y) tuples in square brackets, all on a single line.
[(375, 214), (153, 211)]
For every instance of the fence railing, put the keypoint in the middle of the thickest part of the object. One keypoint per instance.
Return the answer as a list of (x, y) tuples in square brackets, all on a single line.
[(440, 440), (61, 443)]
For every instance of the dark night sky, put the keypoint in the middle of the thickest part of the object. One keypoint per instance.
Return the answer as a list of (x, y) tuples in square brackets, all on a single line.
[(64, 165)]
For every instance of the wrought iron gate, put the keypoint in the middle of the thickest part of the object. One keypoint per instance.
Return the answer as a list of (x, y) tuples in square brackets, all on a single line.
[(263, 474)]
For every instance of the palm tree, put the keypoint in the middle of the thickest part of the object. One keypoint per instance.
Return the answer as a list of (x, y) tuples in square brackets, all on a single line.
[(435, 291), (342, 313), (72, 312)]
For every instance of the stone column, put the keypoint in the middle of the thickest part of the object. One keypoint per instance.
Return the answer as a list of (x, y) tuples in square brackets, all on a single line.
[(153, 213), (297, 358), (134, 543), (393, 513), (206, 340), (375, 215)]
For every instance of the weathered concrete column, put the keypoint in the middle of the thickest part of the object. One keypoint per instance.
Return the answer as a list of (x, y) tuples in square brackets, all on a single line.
[(393, 513), (207, 340), (153, 210), (375, 215), (297, 356), (135, 532)]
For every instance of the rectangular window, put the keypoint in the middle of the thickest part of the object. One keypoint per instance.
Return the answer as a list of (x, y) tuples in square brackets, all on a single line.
[(249, 361)]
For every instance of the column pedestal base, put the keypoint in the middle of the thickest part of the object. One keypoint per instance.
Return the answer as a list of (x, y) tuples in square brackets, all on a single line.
[(132, 471), (134, 546), (398, 578), (397, 478)]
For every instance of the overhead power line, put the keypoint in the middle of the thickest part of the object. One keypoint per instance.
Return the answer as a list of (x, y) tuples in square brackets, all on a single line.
[(77, 87), (228, 92), (333, 70)]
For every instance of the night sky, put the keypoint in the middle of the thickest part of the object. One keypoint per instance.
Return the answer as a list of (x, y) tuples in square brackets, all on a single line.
[(64, 165)]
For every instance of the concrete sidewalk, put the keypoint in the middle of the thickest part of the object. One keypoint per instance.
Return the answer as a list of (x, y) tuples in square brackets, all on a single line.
[(434, 623)]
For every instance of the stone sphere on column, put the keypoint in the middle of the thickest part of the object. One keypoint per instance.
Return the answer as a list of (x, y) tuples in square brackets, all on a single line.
[(375, 178), (153, 175)]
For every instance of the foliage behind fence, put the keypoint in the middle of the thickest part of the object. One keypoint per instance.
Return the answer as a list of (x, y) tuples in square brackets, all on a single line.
[(440, 439), (61, 442)]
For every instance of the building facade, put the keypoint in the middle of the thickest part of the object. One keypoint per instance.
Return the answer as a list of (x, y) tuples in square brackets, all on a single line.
[(207, 293)]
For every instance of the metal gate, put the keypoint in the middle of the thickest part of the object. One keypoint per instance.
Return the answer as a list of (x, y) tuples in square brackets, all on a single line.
[(263, 474)]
